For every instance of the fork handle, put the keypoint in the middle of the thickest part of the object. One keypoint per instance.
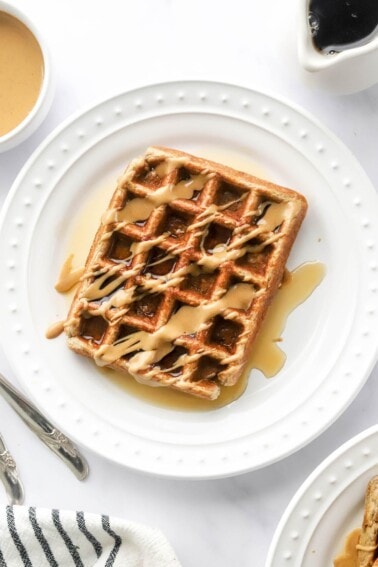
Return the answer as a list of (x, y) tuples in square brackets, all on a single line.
[(44, 429), (9, 475)]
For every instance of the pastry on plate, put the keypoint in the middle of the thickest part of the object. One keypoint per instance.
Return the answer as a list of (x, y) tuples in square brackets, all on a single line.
[(367, 547)]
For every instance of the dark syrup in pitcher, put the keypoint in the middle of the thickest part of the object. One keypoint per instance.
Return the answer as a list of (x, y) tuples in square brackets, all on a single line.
[(337, 25)]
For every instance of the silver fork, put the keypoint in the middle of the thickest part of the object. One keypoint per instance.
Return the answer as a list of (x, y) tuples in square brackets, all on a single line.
[(44, 429)]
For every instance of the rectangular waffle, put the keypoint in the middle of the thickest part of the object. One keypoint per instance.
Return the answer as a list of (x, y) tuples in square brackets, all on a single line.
[(367, 547), (181, 272)]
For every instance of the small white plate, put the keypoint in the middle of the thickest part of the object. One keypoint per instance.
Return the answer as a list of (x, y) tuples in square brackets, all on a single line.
[(328, 506), (330, 340)]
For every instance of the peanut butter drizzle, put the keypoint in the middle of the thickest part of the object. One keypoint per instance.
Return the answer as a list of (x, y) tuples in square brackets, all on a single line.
[(68, 276), (212, 213), (139, 209), (162, 260), (274, 216), (207, 216), (272, 219), (146, 245), (21, 72), (349, 556), (187, 320), (162, 283), (168, 165), (123, 297), (99, 288), (55, 330), (232, 252), (220, 255), (360, 547)]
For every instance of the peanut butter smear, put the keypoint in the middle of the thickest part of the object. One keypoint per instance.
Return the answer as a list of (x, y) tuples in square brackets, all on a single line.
[(21, 72)]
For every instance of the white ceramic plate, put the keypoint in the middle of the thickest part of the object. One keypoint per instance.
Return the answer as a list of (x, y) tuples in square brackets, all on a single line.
[(329, 340), (327, 507)]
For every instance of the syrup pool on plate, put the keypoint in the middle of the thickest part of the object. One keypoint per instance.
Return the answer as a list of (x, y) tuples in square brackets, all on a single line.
[(348, 557)]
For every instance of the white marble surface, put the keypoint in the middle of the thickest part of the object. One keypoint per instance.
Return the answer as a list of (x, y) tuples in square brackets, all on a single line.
[(100, 48)]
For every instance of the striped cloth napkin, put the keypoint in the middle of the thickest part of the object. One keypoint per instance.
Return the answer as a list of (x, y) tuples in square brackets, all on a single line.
[(37, 537)]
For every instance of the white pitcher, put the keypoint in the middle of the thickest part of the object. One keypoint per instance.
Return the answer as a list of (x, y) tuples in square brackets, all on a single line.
[(344, 72)]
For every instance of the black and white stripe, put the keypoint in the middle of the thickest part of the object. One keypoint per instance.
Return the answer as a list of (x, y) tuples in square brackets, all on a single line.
[(2, 562), (41, 538), (80, 519), (16, 538), (38, 537), (117, 539), (66, 538)]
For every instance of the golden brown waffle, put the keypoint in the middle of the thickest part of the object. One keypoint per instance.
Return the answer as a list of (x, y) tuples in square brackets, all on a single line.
[(181, 271), (367, 548)]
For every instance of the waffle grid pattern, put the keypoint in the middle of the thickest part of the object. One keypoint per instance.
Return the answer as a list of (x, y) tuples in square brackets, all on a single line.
[(168, 272)]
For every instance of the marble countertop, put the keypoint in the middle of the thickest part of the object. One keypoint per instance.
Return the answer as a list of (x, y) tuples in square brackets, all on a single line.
[(101, 48)]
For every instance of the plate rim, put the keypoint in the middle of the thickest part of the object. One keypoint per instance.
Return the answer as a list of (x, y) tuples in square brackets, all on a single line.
[(181, 84), (85, 108), (331, 459)]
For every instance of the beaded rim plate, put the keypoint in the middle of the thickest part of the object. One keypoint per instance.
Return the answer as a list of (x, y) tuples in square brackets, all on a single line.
[(330, 340), (327, 507)]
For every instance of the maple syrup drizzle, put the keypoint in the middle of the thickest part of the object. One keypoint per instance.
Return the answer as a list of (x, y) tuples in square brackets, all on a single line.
[(348, 557), (297, 286)]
